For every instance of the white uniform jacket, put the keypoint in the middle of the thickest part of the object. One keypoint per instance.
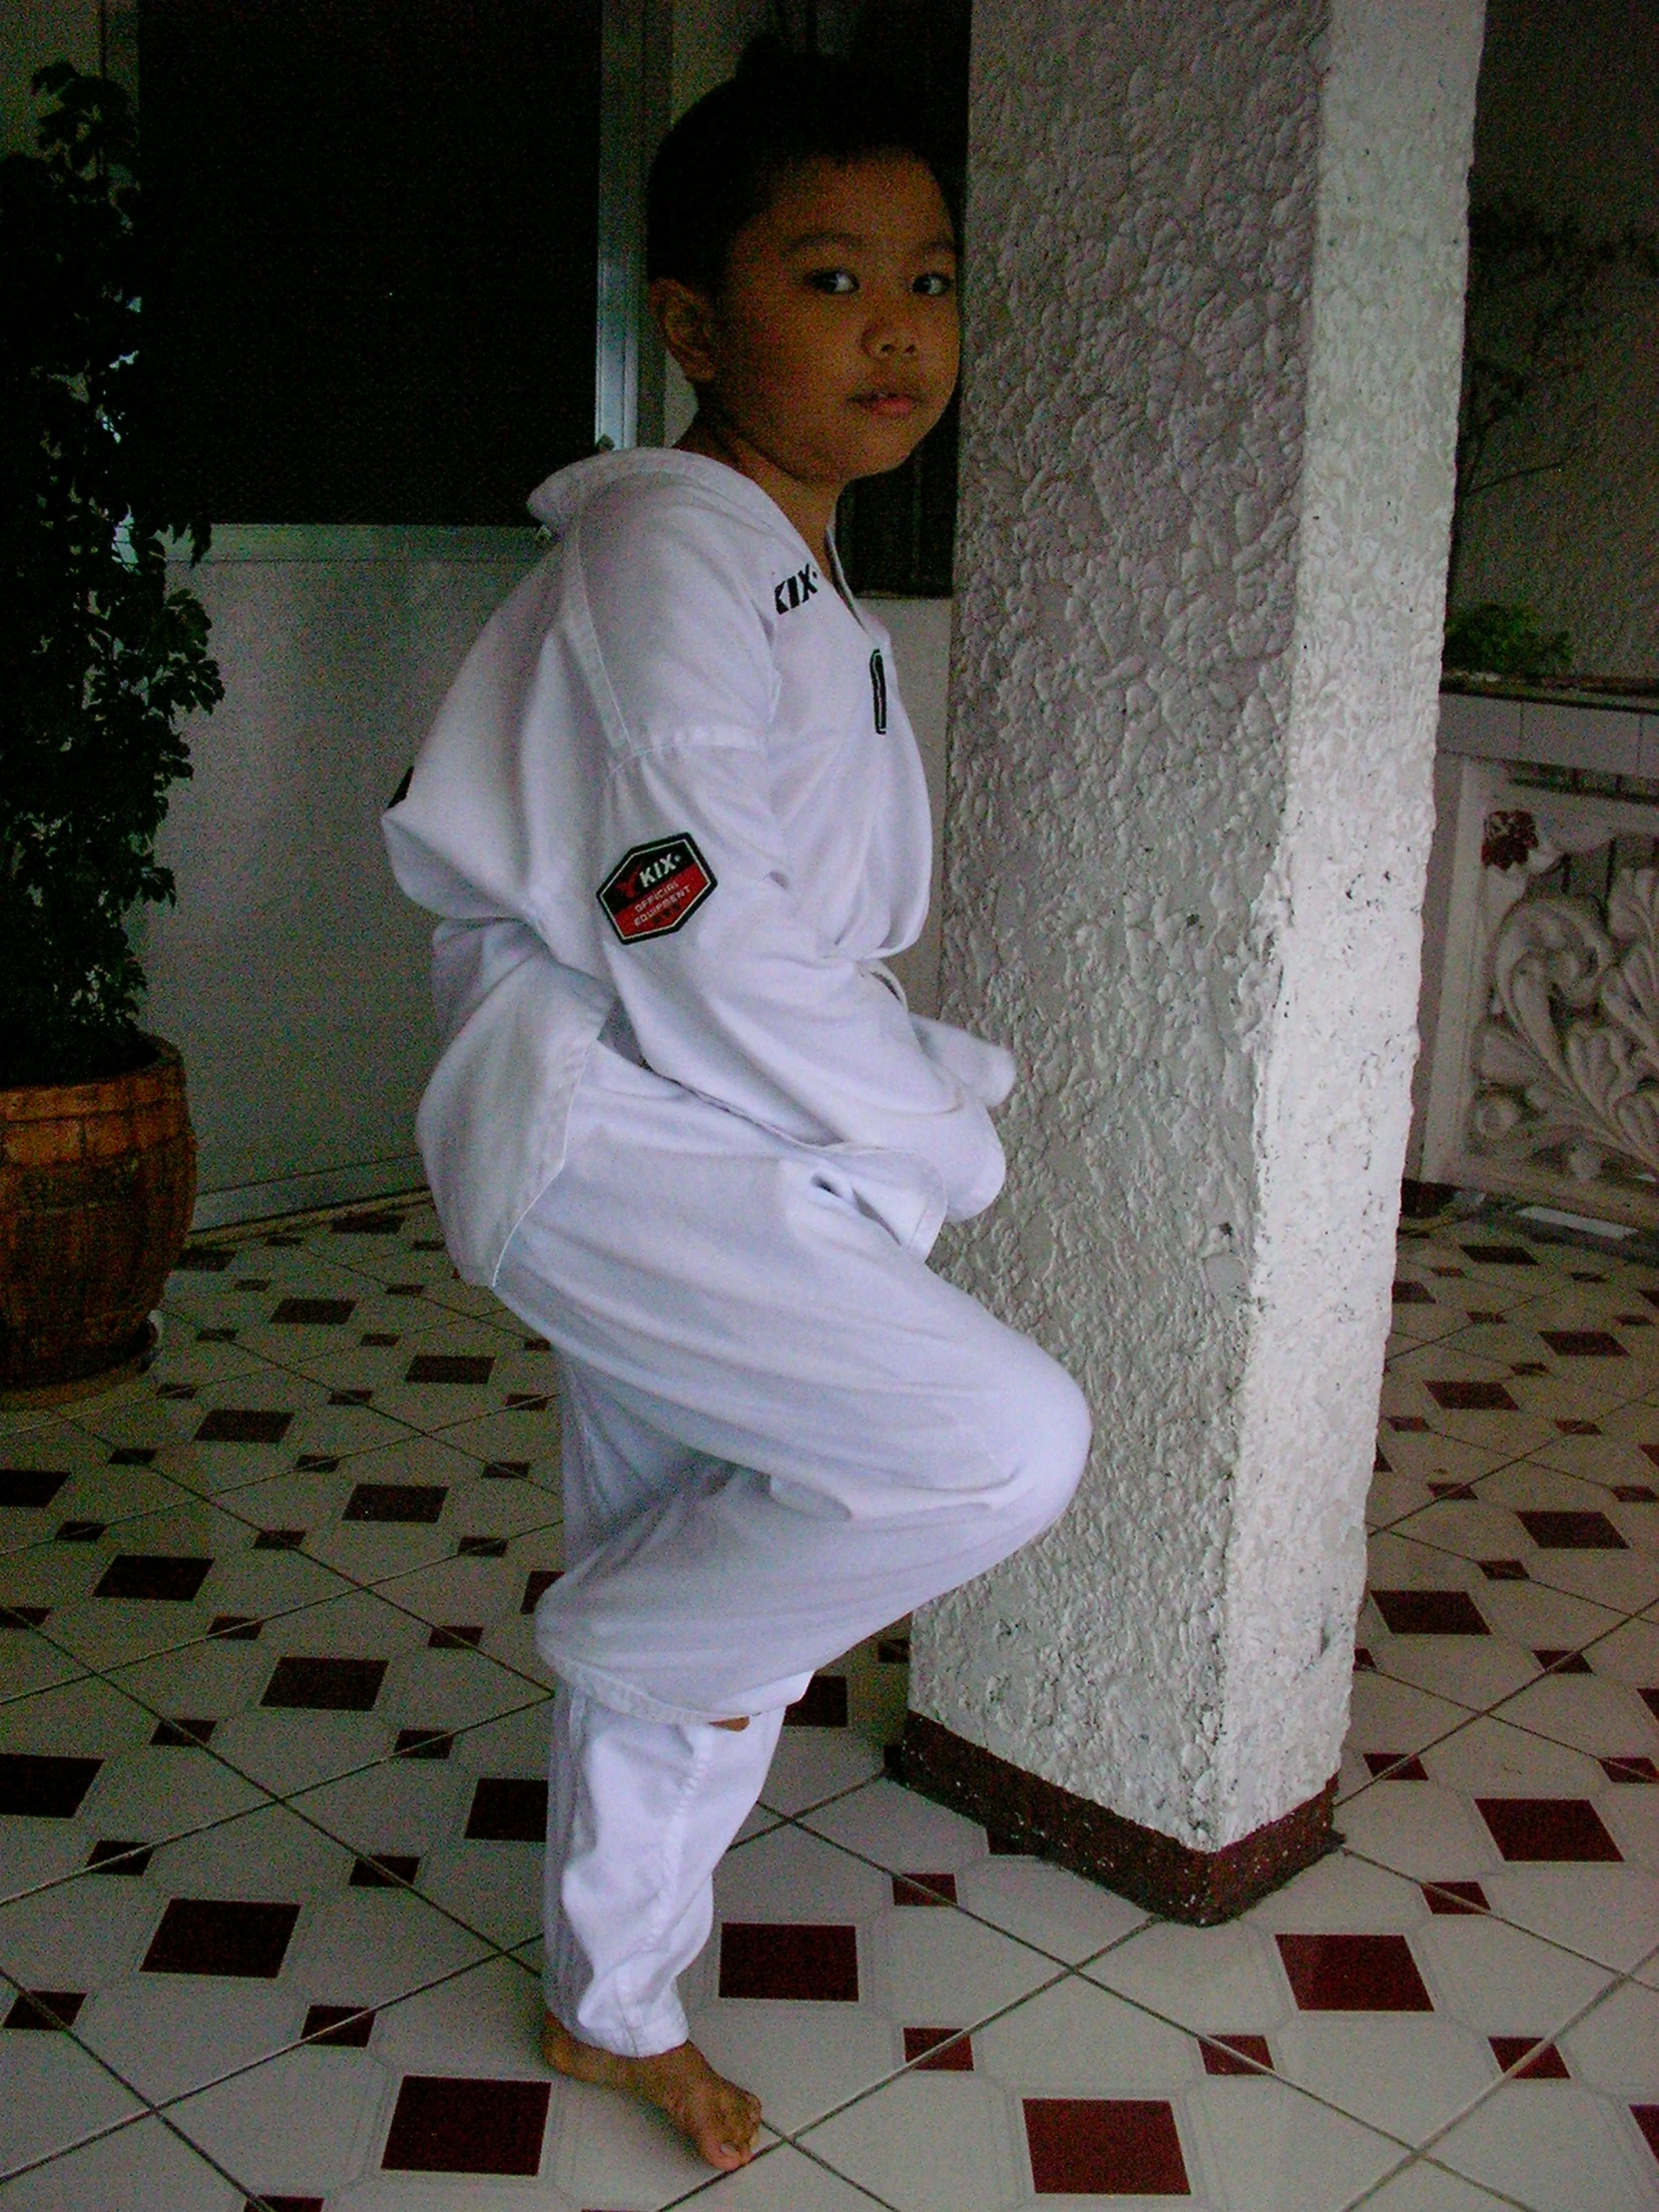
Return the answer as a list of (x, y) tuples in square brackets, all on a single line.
[(674, 772)]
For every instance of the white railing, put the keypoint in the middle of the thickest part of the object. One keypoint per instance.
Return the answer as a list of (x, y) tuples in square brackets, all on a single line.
[(1540, 1074)]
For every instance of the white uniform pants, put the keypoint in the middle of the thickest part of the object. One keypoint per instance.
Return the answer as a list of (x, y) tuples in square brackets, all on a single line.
[(781, 1432)]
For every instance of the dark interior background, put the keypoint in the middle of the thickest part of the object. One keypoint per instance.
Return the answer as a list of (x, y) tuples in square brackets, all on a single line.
[(898, 533), (371, 294)]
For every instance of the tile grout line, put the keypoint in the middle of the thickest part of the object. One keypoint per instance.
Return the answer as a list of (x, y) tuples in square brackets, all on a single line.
[(979, 1920), (290, 1804), (784, 2142), (157, 2109), (1080, 1971), (1494, 1710), (1489, 1712), (1373, 2190), (798, 1818), (1424, 2153), (272, 1799), (1616, 1979), (1499, 1920), (134, 2119), (353, 1586)]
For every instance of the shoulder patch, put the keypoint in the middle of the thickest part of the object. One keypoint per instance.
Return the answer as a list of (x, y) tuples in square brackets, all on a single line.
[(656, 888)]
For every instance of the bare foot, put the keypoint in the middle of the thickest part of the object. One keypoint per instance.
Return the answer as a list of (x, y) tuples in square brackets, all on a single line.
[(721, 2119)]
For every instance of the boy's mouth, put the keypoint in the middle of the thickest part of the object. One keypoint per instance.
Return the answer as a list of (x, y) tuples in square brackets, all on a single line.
[(888, 407)]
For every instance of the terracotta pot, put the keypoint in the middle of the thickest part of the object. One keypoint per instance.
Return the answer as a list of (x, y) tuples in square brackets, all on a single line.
[(97, 1184)]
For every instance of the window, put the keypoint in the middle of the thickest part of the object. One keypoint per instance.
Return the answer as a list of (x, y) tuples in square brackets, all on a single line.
[(372, 233)]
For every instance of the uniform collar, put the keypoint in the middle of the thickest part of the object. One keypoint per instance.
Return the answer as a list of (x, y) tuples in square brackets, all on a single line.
[(554, 502)]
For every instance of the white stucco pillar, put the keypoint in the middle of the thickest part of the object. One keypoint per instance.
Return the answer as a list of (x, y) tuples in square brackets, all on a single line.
[(1216, 256)]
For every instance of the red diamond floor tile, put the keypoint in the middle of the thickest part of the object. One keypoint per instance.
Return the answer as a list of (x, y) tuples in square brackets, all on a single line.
[(184, 1734), (1430, 1613), (111, 1855), (804, 1963), (331, 1313), (509, 1809), (1471, 1397), (1543, 2063), (824, 1704), (1637, 1768), (229, 1424), (456, 1368), (939, 2050), (144, 1575), (43, 1787), (1354, 1974), (346, 2026), (463, 2126), (1235, 2054), (418, 1502), (29, 1489), (385, 1870), (924, 1889), (45, 2010), (1448, 1898), (1536, 1829), (211, 1936), (1570, 1532), (325, 1685), (1120, 2146)]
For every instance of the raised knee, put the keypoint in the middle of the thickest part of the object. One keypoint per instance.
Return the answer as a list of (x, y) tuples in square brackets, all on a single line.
[(1068, 1433), (1048, 1436)]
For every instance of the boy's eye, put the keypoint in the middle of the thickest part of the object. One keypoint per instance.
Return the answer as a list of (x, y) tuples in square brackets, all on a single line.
[(936, 284), (834, 280)]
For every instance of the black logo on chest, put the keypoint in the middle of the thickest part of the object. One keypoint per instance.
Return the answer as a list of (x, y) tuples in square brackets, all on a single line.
[(795, 590)]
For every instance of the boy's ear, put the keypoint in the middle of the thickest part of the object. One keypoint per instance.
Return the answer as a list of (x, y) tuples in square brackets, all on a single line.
[(685, 317)]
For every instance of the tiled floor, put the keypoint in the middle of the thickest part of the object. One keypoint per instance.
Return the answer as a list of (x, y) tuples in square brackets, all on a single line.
[(271, 1793)]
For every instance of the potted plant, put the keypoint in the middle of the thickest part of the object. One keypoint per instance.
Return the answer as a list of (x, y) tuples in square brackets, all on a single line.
[(101, 658)]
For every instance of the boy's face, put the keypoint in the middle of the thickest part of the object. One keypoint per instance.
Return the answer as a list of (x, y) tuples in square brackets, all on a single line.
[(832, 345)]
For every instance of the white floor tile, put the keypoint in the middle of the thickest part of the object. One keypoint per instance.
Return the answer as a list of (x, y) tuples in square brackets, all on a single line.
[(1556, 2147), (136, 2169)]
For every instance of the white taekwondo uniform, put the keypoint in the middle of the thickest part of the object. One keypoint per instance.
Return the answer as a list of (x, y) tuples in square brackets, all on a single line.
[(674, 820)]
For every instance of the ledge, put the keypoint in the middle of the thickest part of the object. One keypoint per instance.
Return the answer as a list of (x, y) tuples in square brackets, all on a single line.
[(330, 544), (1023, 1813)]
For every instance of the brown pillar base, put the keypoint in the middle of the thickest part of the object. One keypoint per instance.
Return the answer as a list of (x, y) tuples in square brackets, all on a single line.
[(1023, 1813)]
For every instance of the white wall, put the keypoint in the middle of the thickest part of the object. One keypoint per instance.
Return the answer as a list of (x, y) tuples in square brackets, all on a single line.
[(1569, 118), (292, 974)]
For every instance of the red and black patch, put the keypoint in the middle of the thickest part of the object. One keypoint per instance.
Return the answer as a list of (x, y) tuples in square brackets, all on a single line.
[(654, 888)]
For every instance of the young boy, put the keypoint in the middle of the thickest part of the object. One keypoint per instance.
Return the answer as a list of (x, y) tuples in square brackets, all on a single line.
[(674, 818)]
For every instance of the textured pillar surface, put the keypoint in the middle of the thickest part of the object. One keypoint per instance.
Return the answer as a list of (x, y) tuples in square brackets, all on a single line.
[(1215, 263)]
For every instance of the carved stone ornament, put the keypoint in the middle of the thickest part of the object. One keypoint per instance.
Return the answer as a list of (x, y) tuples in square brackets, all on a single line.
[(1567, 1060)]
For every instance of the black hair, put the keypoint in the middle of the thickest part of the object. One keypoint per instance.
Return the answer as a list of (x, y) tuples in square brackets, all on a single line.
[(724, 160)]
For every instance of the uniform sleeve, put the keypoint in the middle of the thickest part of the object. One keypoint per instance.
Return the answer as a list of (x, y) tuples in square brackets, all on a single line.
[(729, 988)]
